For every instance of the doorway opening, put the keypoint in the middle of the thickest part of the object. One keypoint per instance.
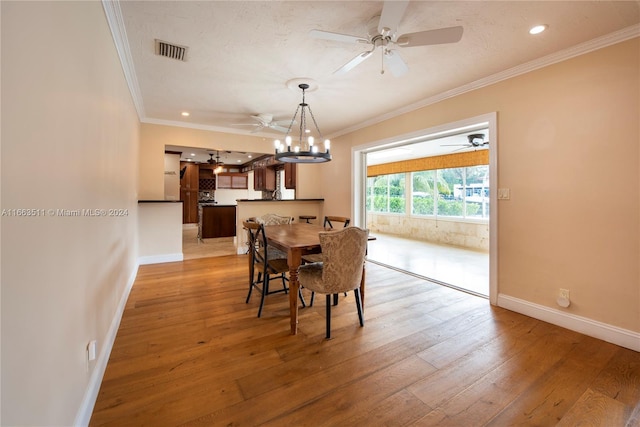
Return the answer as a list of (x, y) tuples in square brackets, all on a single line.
[(430, 200)]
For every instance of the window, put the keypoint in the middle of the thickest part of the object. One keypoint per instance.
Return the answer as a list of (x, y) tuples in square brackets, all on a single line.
[(452, 192), (385, 193)]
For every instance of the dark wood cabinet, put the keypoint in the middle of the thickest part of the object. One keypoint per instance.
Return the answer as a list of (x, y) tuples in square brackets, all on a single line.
[(290, 171), (218, 221), (189, 192), (264, 179)]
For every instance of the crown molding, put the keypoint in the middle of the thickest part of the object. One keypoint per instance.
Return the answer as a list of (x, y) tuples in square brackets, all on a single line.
[(577, 50), (119, 33)]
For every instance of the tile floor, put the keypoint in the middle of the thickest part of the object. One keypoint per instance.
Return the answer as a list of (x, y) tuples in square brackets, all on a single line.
[(449, 265)]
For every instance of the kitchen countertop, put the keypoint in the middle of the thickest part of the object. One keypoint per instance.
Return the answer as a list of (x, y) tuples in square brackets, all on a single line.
[(285, 200)]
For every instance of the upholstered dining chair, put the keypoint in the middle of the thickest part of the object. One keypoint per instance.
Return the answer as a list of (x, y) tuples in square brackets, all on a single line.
[(343, 255), (274, 219), (308, 259), (264, 264)]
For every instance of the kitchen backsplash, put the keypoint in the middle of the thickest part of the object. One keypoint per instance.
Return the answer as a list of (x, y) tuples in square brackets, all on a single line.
[(206, 195)]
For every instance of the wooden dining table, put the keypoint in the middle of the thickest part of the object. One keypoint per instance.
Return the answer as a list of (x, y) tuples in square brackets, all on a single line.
[(297, 240)]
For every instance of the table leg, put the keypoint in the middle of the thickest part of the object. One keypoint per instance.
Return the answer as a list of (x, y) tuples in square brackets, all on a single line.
[(294, 258)]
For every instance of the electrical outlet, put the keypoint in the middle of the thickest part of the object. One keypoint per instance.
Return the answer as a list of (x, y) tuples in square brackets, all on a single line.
[(91, 350), (564, 293)]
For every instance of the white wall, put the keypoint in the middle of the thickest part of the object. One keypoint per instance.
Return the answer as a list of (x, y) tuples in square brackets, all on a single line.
[(69, 141)]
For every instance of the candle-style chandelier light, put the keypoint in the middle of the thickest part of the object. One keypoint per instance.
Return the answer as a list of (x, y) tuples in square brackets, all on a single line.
[(305, 149)]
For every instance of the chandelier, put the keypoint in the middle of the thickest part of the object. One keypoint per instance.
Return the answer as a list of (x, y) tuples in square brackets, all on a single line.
[(305, 149)]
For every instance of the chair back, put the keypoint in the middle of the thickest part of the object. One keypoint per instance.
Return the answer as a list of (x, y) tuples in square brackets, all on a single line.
[(343, 258), (329, 219), (257, 241), (273, 219)]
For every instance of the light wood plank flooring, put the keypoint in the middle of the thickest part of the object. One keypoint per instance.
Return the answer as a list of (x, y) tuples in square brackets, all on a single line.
[(189, 351)]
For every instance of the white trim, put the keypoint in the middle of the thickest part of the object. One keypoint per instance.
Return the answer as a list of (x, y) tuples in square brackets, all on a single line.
[(119, 33), (613, 334), (359, 176), (159, 259), (91, 393)]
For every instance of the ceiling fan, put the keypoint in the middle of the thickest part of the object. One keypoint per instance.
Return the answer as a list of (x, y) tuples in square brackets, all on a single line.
[(213, 162), (476, 140), (382, 32), (265, 121)]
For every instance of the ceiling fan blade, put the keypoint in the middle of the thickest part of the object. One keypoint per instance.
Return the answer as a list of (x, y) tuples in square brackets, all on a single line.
[(392, 13), (396, 64), (279, 128), (244, 124), (264, 119), (337, 37), (429, 37), (352, 64)]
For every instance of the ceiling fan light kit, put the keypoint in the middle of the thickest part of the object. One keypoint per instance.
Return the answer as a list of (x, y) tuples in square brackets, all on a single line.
[(304, 150)]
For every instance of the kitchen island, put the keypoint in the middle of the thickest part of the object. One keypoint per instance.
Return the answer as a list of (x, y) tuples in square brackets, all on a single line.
[(250, 208), (216, 221)]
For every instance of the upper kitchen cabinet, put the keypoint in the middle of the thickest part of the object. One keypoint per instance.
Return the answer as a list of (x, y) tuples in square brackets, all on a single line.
[(264, 178), (290, 170)]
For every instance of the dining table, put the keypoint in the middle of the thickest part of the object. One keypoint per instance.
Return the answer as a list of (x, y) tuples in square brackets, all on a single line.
[(297, 240)]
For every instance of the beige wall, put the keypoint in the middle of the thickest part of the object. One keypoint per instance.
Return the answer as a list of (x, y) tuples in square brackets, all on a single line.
[(153, 139), (69, 141), (569, 151)]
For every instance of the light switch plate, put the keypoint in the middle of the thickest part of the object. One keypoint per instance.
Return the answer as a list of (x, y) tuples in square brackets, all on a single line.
[(504, 194)]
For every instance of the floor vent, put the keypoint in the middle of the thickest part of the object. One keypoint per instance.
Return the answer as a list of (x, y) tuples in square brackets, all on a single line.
[(170, 50)]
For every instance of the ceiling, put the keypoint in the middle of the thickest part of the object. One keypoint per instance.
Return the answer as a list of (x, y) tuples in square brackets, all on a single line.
[(241, 54)]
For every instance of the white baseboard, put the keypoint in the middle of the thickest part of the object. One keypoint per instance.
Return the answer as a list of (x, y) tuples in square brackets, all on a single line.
[(158, 259), (91, 393), (619, 336)]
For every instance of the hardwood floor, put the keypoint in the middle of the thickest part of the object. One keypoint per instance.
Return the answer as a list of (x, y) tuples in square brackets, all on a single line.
[(189, 351)]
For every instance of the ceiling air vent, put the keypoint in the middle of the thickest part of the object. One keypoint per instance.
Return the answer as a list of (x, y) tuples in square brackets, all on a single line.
[(170, 50)]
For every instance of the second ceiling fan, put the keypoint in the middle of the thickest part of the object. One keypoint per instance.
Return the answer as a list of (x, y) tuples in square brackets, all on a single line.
[(382, 33)]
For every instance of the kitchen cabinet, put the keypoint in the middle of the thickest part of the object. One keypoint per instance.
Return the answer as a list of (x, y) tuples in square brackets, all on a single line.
[(290, 172), (189, 192), (264, 178), (218, 221), (235, 181)]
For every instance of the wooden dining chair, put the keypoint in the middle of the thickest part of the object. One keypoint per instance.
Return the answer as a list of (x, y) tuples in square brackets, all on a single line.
[(267, 266), (341, 271)]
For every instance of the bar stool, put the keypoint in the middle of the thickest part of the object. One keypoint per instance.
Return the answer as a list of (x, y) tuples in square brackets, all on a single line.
[(307, 217)]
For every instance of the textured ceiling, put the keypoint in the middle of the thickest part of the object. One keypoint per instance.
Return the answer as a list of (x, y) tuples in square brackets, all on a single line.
[(241, 55)]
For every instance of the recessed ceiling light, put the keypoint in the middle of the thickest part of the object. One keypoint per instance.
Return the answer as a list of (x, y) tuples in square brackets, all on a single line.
[(239, 161), (185, 114), (249, 156), (193, 154), (538, 29)]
